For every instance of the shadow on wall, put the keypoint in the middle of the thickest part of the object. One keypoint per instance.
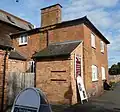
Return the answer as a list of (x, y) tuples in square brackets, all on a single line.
[(68, 94)]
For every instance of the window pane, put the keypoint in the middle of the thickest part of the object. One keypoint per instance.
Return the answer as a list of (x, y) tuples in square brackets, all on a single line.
[(92, 40), (25, 39), (94, 73), (102, 46), (103, 73), (22, 39)]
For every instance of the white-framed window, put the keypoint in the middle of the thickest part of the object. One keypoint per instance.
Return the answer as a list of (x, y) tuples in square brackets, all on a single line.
[(102, 46), (103, 73), (94, 73), (93, 40), (23, 39), (31, 67)]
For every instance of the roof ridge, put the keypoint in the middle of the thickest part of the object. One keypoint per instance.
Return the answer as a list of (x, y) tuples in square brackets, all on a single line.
[(5, 12), (66, 42)]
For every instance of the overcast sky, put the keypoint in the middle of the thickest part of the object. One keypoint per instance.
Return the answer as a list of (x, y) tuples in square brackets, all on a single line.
[(104, 14)]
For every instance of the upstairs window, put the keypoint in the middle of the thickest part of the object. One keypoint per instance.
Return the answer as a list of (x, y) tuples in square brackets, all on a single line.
[(103, 73), (23, 39), (102, 46), (94, 73), (93, 40)]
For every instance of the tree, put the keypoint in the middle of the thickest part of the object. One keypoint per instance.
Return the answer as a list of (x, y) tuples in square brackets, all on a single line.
[(115, 69), (118, 64)]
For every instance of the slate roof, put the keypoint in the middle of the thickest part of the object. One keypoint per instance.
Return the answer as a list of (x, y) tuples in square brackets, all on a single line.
[(5, 40), (57, 49), (16, 55), (15, 21), (5, 47)]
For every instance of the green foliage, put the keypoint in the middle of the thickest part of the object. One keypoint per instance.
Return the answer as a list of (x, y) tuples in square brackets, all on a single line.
[(115, 69), (112, 83)]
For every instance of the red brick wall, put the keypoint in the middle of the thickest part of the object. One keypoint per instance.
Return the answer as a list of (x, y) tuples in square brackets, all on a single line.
[(16, 65), (49, 72), (51, 15), (2, 53), (35, 42), (38, 41), (94, 56), (66, 34), (91, 56), (48, 78), (1, 71)]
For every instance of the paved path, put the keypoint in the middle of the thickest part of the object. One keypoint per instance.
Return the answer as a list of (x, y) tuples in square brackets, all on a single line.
[(112, 96), (110, 99), (108, 102)]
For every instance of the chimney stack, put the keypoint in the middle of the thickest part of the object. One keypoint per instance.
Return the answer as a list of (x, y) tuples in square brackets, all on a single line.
[(51, 15)]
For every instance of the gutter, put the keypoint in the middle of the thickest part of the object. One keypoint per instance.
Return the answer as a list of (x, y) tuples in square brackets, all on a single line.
[(35, 74)]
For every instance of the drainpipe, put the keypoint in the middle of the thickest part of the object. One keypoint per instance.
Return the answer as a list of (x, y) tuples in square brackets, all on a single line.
[(3, 81), (35, 73), (47, 37)]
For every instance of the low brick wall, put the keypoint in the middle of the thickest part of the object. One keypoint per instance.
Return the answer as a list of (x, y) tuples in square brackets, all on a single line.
[(114, 78)]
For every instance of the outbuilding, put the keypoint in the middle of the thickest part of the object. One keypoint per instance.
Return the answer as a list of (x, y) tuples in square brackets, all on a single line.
[(55, 71)]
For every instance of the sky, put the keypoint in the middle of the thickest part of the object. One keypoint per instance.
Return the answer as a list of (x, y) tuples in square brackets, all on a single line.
[(105, 15)]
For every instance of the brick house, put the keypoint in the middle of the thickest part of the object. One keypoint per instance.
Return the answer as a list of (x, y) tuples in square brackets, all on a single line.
[(9, 24), (52, 48)]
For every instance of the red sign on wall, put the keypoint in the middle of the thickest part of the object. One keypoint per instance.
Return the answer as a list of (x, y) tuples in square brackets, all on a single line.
[(78, 65)]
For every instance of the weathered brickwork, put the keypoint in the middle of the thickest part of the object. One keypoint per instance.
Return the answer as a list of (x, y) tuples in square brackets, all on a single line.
[(66, 34), (93, 56), (1, 70), (16, 65), (56, 77), (47, 72), (51, 15), (32, 46), (2, 54)]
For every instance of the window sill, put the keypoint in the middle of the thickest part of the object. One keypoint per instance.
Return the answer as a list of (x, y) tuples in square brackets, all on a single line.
[(102, 52), (22, 44), (103, 79), (95, 80), (93, 47)]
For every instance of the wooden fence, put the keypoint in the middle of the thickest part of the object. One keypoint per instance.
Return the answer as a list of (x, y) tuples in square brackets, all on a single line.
[(17, 82)]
